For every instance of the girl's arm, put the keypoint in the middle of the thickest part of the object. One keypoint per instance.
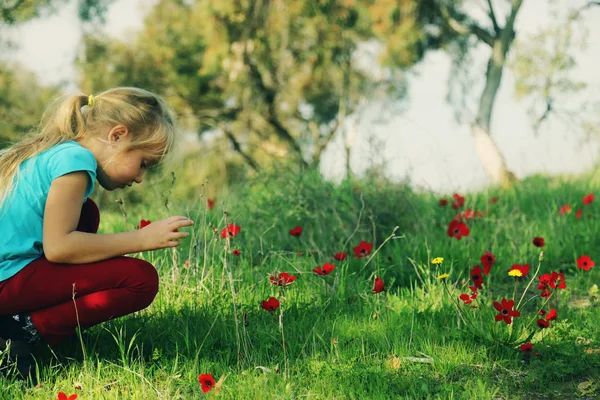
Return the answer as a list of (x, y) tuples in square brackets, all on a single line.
[(64, 244)]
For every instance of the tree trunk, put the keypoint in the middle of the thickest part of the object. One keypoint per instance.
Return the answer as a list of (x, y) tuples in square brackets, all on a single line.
[(491, 157)]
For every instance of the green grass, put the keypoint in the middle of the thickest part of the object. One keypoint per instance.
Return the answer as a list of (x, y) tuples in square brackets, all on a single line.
[(338, 340)]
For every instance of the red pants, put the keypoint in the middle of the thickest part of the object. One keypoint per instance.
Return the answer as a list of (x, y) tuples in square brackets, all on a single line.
[(103, 290)]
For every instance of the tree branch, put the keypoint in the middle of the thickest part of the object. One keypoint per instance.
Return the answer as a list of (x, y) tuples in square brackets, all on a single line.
[(236, 146), (468, 28), (493, 17)]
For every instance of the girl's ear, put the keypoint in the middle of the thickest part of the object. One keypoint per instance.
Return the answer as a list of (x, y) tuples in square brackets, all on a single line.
[(118, 133)]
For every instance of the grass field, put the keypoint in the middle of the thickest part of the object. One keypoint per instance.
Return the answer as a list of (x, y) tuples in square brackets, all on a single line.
[(331, 337)]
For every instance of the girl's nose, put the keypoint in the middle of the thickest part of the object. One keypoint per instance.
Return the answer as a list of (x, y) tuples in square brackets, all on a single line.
[(140, 177)]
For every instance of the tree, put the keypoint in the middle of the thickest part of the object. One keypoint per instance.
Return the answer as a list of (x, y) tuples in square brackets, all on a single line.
[(18, 11)]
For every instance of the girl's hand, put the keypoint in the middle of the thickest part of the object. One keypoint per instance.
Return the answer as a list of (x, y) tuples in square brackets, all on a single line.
[(163, 234)]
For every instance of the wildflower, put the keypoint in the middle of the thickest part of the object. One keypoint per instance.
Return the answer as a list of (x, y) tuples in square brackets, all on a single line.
[(271, 304), (230, 231), (545, 293), (523, 269), (469, 214), (476, 276), (379, 286), (63, 396), (506, 311), (144, 223), (284, 279), (341, 256), (585, 263), (443, 277), (458, 202), (297, 231), (538, 242), (515, 272), (468, 299), (443, 202), (527, 347), (551, 315), (579, 212), (437, 260), (326, 270), (236, 252), (566, 209), (493, 200), (542, 324), (207, 382), (210, 203), (457, 229), (363, 249), (487, 259), (588, 199), (542, 312)]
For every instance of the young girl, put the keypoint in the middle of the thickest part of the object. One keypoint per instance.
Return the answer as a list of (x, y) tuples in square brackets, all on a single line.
[(49, 249)]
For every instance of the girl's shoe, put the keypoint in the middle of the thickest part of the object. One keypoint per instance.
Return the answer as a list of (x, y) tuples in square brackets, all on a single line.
[(16, 356)]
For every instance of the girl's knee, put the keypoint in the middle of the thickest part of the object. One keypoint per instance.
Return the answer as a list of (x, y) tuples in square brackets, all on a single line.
[(144, 275)]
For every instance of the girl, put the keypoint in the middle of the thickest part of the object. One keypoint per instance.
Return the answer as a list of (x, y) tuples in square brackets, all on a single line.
[(56, 273)]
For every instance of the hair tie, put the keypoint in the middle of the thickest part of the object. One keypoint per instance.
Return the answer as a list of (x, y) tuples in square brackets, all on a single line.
[(91, 101)]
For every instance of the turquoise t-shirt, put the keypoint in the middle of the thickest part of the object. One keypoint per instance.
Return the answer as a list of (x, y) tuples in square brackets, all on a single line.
[(22, 213)]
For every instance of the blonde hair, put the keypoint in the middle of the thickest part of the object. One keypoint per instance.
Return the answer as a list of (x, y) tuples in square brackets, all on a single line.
[(145, 114)]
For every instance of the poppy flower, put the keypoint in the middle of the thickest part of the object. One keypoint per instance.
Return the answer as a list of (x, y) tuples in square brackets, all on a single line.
[(551, 315), (458, 202), (477, 277), (144, 223), (538, 242), (271, 304), (363, 249), (207, 381), (551, 280), (579, 213), (524, 269), (210, 203), (457, 229), (585, 263), (468, 299), (527, 347), (493, 200), (487, 259), (545, 293), (566, 209), (236, 252), (469, 214), (542, 312), (63, 396), (379, 286), (588, 199), (443, 202), (297, 231), (230, 231), (341, 256), (284, 279), (326, 270), (542, 323), (506, 311)]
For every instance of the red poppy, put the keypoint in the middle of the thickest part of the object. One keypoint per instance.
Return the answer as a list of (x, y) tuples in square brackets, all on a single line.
[(144, 223), (231, 230), (506, 311), (545, 293), (551, 280), (443, 202), (477, 277), (524, 269), (585, 263), (63, 396), (469, 214), (297, 231), (326, 270), (538, 242), (379, 286), (458, 202), (527, 347), (458, 217), (588, 199), (542, 323), (542, 312), (578, 215), (468, 299), (551, 315), (457, 229), (363, 249), (207, 382), (341, 256), (566, 209), (236, 252), (487, 259), (271, 304), (493, 200), (284, 279), (210, 203)]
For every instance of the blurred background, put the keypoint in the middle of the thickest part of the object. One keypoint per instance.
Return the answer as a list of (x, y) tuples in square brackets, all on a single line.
[(447, 95)]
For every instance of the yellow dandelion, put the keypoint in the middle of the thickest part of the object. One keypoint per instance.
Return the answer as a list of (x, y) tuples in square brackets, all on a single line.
[(515, 272), (443, 277), (437, 260)]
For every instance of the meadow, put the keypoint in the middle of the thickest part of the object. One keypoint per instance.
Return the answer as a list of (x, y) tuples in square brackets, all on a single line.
[(381, 300)]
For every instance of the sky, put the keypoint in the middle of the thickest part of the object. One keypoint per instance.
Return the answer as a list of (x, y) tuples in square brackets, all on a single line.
[(424, 142)]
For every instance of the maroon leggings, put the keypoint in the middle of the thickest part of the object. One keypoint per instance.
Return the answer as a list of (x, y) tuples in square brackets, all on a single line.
[(103, 290)]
